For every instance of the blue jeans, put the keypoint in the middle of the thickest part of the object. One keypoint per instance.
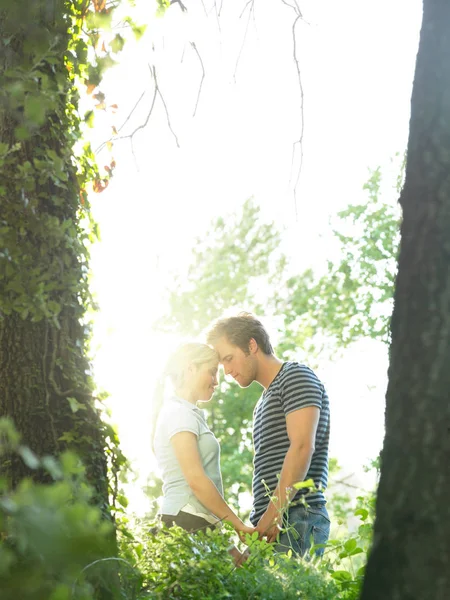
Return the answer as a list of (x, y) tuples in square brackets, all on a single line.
[(299, 524)]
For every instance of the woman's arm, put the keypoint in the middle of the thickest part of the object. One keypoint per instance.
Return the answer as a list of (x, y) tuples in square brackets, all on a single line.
[(186, 451)]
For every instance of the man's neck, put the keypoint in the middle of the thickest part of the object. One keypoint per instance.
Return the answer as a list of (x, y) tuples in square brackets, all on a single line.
[(268, 368)]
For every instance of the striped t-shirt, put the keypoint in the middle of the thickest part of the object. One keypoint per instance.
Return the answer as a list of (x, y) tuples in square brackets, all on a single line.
[(294, 387)]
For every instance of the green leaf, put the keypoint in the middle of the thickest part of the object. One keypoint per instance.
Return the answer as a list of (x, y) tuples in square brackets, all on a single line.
[(52, 467), (117, 43), (341, 576), (350, 544), (28, 457), (122, 500), (61, 592), (362, 512), (21, 133), (75, 405), (309, 483), (89, 118), (35, 110)]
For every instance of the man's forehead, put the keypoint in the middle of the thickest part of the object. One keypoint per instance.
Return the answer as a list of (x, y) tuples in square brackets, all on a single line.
[(223, 347)]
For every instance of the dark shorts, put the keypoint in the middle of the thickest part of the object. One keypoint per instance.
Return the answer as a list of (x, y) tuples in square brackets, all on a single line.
[(186, 521)]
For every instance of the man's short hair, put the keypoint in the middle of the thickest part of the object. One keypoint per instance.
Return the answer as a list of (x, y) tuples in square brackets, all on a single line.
[(239, 330)]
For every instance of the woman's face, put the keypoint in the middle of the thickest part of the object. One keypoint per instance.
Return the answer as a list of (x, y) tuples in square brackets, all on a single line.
[(204, 380)]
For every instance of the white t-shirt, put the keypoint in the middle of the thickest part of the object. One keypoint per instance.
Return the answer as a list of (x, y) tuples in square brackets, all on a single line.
[(179, 415)]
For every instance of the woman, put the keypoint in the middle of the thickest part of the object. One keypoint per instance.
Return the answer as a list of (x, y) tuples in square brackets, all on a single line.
[(187, 452)]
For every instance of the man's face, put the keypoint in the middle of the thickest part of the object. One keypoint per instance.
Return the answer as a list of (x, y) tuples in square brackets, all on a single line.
[(238, 364)]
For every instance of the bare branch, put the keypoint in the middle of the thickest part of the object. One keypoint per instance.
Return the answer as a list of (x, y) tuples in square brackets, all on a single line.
[(251, 11), (157, 90), (130, 136), (182, 6), (203, 76), (111, 139), (134, 154), (299, 142), (147, 118), (132, 111), (217, 17), (245, 7)]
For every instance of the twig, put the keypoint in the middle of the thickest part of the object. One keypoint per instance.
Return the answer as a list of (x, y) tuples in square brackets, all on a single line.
[(290, 5), (142, 125), (134, 154), (103, 144), (157, 90), (250, 3), (131, 135), (182, 6), (203, 76), (217, 16), (132, 111), (245, 8), (344, 482), (298, 142)]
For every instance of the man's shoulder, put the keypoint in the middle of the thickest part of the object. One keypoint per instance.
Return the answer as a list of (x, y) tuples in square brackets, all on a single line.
[(293, 369)]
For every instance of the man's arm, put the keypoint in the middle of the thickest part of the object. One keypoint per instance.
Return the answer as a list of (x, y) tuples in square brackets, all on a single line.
[(301, 428)]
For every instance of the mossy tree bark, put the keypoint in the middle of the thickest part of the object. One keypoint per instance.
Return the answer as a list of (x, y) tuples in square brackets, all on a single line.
[(45, 384)]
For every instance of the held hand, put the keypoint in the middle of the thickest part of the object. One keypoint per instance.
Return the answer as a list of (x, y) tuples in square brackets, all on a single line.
[(241, 529), (273, 533), (269, 526), (239, 558)]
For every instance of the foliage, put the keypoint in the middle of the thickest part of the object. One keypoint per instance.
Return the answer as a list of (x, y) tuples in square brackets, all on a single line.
[(49, 533), (55, 545), (345, 559), (353, 299), (234, 264), (51, 53), (175, 564)]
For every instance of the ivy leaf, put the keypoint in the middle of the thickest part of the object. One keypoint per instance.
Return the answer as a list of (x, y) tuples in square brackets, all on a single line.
[(362, 512), (75, 405), (117, 43)]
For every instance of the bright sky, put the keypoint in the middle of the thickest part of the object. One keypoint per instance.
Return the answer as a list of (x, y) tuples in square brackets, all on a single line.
[(357, 61)]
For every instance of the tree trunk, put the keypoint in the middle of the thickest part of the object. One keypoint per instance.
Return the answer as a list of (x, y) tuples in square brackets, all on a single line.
[(410, 558), (45, 384)]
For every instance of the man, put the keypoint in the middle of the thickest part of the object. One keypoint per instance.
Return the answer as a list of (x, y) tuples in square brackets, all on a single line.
[(291, 428)]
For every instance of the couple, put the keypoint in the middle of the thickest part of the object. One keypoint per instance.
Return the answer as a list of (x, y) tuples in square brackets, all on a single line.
[(291, 426)]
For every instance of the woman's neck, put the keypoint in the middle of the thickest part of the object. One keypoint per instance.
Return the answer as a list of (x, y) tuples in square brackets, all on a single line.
[(187, 394)]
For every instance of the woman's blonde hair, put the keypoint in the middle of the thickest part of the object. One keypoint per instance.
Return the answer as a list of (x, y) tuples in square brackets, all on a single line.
[(193, 353)]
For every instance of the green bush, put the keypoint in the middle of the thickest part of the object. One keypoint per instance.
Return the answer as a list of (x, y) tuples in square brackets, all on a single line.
[(55, 545), (50, 534), (178, 565)]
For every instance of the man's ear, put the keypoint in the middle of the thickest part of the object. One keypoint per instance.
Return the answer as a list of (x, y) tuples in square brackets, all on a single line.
[(253, 346)]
